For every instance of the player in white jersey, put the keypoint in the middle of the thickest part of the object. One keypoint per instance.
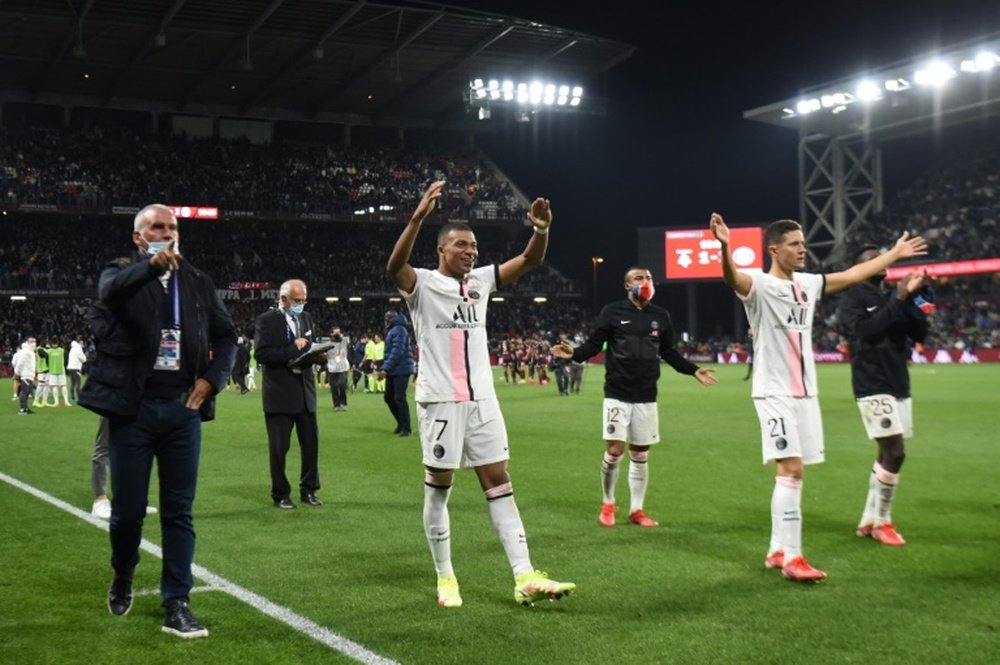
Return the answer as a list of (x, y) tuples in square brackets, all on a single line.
[(459, 418), (780, 305)]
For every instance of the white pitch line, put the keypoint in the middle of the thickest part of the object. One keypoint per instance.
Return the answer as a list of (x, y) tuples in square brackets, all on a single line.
[(286, 616)]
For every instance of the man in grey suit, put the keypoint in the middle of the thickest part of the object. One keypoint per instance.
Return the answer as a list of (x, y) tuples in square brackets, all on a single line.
[(289, 391)]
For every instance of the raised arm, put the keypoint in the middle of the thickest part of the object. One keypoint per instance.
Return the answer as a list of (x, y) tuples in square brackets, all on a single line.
[(739, 281), (904, 248), (399, 267), (540, 216)]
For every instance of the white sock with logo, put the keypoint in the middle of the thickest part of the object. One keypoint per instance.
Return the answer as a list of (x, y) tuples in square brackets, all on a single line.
[(885, 492), (437, 527), (638, 478), (786, 515), (508, 526)]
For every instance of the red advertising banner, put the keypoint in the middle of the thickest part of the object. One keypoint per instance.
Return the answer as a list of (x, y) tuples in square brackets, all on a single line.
[(696, 254), (970, 267)]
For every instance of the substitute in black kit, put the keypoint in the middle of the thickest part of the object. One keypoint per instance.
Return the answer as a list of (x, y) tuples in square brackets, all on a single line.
[(638, 334), (285, 351), (165, 347)]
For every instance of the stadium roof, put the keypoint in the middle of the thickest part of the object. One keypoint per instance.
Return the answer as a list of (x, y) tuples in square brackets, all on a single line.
[(404, 63), (953, 85)]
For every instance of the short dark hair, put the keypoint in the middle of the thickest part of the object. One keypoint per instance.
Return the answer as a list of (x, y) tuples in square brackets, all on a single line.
[(644, 268), (775, 231), (861, 252), (452, 226)]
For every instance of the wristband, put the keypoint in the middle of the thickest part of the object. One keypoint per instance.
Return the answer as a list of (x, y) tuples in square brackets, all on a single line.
[(542, 232)]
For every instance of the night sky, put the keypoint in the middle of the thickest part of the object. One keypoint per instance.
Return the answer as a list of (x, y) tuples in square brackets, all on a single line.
[(674, 146)]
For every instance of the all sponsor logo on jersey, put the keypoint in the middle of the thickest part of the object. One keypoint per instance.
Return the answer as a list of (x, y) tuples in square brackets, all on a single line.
[(465, 316), (797, 316)]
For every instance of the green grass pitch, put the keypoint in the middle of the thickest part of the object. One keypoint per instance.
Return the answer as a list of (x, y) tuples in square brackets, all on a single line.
[(692, 591)]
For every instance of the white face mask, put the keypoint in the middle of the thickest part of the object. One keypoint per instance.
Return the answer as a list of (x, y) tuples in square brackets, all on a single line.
[(153, 247)]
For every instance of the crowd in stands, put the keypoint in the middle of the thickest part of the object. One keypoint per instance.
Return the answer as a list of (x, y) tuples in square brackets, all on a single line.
[(65, 252), (955, 205), (100, 167)]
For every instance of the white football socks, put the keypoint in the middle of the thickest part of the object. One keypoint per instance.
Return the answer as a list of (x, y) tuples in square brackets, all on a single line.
[(609, 476), (638, 478), (885, 492), (437, 527), (786, 516), (508, 526)]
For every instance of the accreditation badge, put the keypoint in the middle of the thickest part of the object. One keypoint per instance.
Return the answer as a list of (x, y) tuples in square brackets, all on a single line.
[(168, 358)]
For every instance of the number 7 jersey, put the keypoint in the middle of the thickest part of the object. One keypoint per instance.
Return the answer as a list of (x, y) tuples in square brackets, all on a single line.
[(449, 322), (781, 316)]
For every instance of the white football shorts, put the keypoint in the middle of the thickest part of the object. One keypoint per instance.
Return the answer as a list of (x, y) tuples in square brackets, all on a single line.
[(790, 427), (885, 415), (462, 434), (638, 424)]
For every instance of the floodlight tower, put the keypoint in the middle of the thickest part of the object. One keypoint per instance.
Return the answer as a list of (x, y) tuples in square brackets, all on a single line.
[(843, 125)]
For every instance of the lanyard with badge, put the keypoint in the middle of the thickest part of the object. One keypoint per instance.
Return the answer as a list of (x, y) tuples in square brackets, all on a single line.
[(168, 358)]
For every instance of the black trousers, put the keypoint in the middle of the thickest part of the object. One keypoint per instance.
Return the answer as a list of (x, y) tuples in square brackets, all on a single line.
[(279, 437), (395, 399), (338, 388)]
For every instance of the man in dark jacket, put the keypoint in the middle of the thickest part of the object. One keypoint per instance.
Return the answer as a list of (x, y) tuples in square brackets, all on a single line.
[(165, 347), (638, 334), (879, 327), (397, 366), (283, 334)]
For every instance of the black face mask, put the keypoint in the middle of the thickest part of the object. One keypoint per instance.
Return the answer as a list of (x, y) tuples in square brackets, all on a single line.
[(337, 337)]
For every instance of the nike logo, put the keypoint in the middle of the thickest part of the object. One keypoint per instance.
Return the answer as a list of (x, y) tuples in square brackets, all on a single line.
[(625, 323), (871, 309)]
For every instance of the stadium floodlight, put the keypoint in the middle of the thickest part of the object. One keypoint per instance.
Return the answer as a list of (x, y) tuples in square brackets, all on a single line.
[(527, 95), (808, 106), (535, 91), (497, 299), (983, 62), (354, 299), (868, 91), (540, 299), (897, 85), (19, 298), (935, 73), (332, 299)]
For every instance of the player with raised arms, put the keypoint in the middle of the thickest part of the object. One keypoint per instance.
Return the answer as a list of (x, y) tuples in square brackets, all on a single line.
[(457, 410), (780, 305)]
